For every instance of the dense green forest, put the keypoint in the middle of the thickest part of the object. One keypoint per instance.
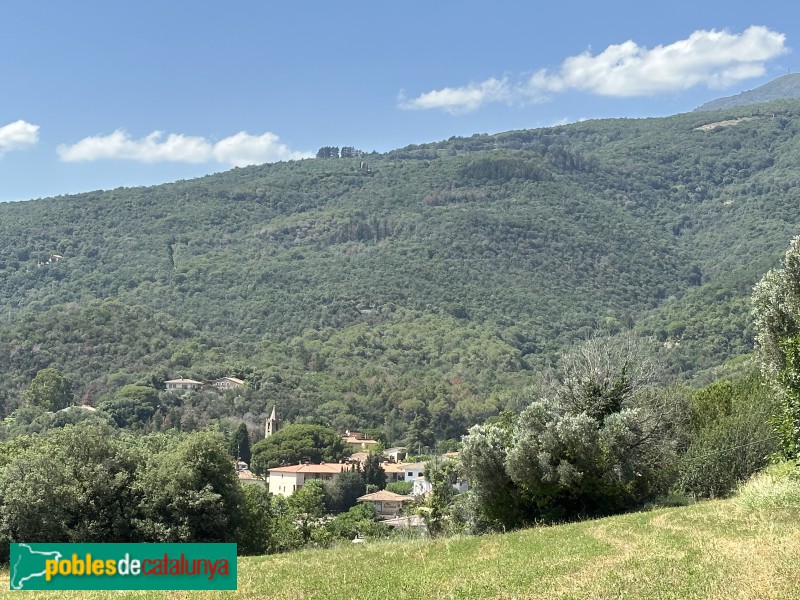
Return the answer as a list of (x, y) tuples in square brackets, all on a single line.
[(414, 293)]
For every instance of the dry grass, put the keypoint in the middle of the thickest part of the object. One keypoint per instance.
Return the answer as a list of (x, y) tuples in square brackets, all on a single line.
[(713, 550), (719, 124)]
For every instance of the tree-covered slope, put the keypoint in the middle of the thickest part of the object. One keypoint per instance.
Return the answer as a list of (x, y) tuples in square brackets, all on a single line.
[(432, 280)]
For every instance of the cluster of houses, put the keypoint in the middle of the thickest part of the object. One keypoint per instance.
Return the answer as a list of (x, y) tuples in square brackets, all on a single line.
[(286, 480)]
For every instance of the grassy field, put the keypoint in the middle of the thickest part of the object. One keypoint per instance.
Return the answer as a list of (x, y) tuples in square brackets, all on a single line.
[(745, 547)]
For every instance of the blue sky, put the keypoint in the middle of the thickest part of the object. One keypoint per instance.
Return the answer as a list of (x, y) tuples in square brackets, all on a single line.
[(98, 95)]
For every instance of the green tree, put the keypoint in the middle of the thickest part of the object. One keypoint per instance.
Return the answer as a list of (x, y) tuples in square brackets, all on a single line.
[(442, 474), (50, 389), (601, 443), (403, 488), (70, 485), (361, 520), (257, 524), (190, 494), (132, 405), (776, 313), (500, 501), (328, 152), (342, 493), (295, 443), (306, 507), (373, 471), (729, 436), (240, 444)]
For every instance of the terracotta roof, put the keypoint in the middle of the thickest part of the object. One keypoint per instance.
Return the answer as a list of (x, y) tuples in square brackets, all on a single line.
[(384, 496), (389, 467), (351, 439), (323, 468), (417, 466)]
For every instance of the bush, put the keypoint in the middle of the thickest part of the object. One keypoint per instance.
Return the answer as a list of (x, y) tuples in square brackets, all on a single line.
[(729, 437), (777, 487), (400, 487)]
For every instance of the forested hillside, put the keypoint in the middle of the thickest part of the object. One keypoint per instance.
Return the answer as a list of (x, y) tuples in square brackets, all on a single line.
[(415, 292)]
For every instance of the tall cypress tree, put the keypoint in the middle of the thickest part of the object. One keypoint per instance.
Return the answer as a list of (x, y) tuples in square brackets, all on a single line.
[(240, 444)]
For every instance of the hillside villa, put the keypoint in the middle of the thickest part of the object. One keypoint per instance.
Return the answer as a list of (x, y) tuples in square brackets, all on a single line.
[(183, 385), (223, 384), (227, 383)]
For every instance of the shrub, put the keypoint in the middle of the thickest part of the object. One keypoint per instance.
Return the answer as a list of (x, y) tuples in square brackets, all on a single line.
[(777, 487), (400, 487), (729, 437)]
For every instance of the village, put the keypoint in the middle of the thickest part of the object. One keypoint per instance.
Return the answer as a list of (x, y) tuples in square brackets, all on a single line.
[(288, 479), (285, 480)]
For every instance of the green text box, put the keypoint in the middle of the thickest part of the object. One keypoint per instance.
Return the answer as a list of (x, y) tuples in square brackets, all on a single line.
[(123, 566)]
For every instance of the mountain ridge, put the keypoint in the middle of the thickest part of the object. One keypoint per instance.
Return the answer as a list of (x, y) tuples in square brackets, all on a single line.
[(783, 88), (437, 283)]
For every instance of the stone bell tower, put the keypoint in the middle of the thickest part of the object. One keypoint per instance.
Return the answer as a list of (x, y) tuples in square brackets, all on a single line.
[(272, 425)]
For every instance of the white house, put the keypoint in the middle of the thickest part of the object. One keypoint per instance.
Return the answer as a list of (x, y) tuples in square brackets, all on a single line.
[(414, 471), (285, 481), (395, 454), (421, 487), (176, 385), (394, 472), (227, 383)]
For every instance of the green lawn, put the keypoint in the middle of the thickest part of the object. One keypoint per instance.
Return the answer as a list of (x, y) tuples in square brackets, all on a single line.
[(719, 549)]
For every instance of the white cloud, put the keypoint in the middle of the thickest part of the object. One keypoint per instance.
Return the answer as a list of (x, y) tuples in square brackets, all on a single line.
[(244, 149), (716, 59), (149, 149), (462, 99), (237, 150), (18, 135)]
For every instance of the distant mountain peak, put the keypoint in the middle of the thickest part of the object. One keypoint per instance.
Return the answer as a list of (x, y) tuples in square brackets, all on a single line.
[(787, 86)]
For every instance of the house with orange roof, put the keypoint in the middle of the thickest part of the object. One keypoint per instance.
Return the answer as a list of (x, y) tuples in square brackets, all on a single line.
[(394, 472), (387, 504), (359, 442), (285, 481)]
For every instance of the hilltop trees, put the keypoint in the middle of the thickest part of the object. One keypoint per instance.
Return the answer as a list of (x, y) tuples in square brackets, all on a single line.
[(328, 152)]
